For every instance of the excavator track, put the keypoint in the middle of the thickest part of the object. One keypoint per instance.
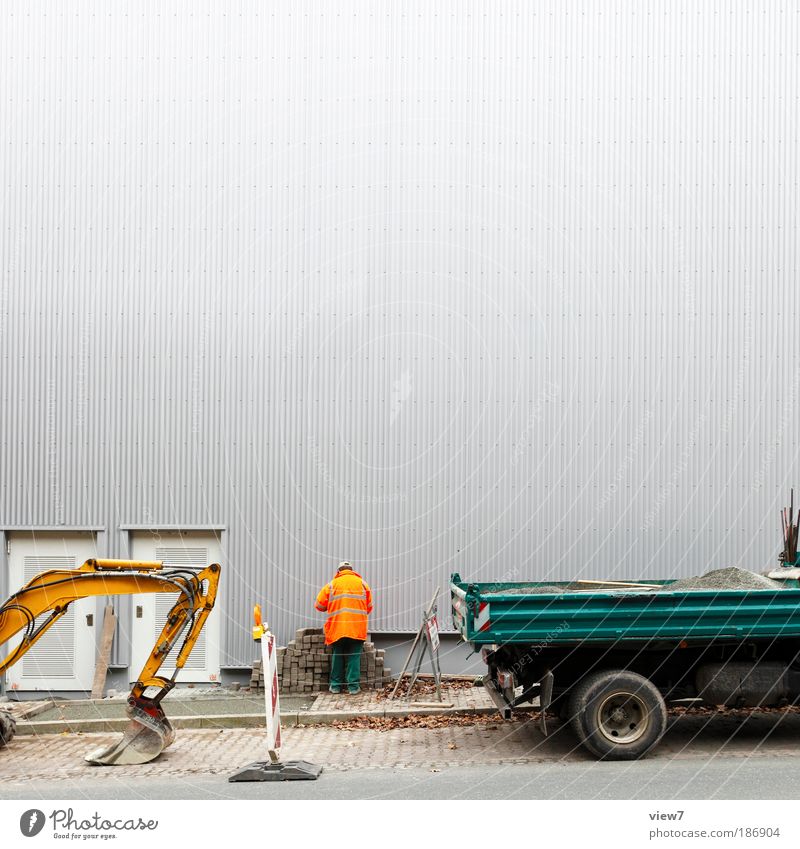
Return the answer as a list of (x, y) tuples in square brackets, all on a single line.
[(8, 728)]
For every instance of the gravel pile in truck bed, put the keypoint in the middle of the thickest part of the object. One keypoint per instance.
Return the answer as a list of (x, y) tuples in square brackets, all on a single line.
[(731, 578), (547, 589), (526, 589)]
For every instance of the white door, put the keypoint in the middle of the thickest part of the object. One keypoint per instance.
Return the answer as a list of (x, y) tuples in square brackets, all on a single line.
[(186, 550), (64, 657)]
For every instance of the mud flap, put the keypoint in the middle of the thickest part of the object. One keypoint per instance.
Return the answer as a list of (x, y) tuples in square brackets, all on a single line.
[(497, 697), (145, 738), (545, 698)]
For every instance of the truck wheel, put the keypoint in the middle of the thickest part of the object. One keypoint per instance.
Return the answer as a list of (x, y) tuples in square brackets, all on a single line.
[(8, 728), (617, 715)]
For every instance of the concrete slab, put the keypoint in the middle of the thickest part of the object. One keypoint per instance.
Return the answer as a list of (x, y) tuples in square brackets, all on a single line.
[(27, 710)]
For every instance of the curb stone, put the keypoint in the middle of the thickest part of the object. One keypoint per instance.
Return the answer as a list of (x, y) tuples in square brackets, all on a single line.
[(246, 720)]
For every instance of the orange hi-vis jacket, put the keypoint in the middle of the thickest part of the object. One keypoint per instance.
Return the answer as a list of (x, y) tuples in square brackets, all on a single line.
[(347, 600)]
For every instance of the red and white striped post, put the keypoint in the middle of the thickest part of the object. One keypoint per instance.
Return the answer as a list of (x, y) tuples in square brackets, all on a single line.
[(273, 769), (272, 697)]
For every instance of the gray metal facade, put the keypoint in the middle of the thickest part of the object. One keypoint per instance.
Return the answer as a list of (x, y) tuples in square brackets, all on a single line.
[(502, 288)]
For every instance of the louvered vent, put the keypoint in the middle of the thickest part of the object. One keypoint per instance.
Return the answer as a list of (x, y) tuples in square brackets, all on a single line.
[(194, 559), (54, 655)]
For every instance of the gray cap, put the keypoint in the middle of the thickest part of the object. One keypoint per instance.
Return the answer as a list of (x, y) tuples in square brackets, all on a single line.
[(344, 565)]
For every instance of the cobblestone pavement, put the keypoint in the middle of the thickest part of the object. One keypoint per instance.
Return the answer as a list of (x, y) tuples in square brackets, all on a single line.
[(467, 698), (220, 752), (25, 710)]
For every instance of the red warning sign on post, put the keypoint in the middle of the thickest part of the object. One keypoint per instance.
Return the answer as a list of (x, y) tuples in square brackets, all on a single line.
[(433, 632)]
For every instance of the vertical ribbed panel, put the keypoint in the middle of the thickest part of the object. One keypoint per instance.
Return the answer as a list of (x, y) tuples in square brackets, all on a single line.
[(502, 288), (53, 656)]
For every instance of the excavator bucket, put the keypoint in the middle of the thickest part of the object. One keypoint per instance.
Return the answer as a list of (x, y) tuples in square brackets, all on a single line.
[(149, 732)]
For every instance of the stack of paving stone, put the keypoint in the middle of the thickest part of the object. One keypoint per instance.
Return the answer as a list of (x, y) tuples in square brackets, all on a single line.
[(304, 666)]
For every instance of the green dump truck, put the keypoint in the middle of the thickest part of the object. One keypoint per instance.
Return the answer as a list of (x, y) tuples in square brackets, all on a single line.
[(609, 657)]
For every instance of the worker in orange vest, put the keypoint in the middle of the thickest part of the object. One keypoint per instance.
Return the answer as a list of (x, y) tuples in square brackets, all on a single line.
[(347, 600)]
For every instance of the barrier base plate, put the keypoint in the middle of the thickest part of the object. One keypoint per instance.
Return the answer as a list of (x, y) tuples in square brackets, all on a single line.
[(289, 771)]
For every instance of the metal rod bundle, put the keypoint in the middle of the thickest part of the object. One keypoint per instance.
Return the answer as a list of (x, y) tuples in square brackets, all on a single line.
[(790, 524)]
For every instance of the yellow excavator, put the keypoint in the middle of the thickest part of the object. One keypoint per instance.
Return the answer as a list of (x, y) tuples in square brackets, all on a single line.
[(149, 731)]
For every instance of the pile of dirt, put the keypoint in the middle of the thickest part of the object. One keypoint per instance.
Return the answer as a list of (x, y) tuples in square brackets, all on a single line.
[(731, 578)]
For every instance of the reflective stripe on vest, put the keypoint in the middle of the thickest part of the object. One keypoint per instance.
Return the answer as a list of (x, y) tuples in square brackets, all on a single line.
[(347, 610), (362, 596), (330, 590)]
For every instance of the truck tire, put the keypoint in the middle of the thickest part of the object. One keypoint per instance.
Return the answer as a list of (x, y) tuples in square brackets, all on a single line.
[(8, 728), (617, 715)]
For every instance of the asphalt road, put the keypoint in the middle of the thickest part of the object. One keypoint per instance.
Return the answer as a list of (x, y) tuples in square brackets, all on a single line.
[(718, 778)]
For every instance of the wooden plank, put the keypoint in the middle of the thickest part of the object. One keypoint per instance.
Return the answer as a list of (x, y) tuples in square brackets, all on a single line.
[(104, 654)]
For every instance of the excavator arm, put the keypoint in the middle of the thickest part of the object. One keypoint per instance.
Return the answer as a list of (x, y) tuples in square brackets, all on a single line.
[(149, 731)]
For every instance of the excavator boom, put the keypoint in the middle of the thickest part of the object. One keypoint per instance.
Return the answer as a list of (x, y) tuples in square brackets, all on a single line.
[(149, 731)]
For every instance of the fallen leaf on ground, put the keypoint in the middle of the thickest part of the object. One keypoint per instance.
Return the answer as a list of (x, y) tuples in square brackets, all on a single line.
[(493, 721), (381, 723), (424, 687)]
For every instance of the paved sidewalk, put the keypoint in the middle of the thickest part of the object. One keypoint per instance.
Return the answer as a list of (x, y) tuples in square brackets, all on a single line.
[(222, 752), (370, 703), (221, 709)]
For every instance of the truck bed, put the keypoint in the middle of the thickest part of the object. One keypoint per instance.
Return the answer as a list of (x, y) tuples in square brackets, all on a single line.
[(554, 613)]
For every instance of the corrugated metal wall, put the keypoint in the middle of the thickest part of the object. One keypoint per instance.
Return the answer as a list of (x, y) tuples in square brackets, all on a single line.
[(503, 288)]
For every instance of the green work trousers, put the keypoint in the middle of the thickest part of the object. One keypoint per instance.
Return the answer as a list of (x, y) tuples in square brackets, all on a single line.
[(346, 663)]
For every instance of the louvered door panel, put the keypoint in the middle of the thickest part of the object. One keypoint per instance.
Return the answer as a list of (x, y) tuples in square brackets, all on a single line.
[(54, 655), (190, 551), (193, 559), (64, 658)]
